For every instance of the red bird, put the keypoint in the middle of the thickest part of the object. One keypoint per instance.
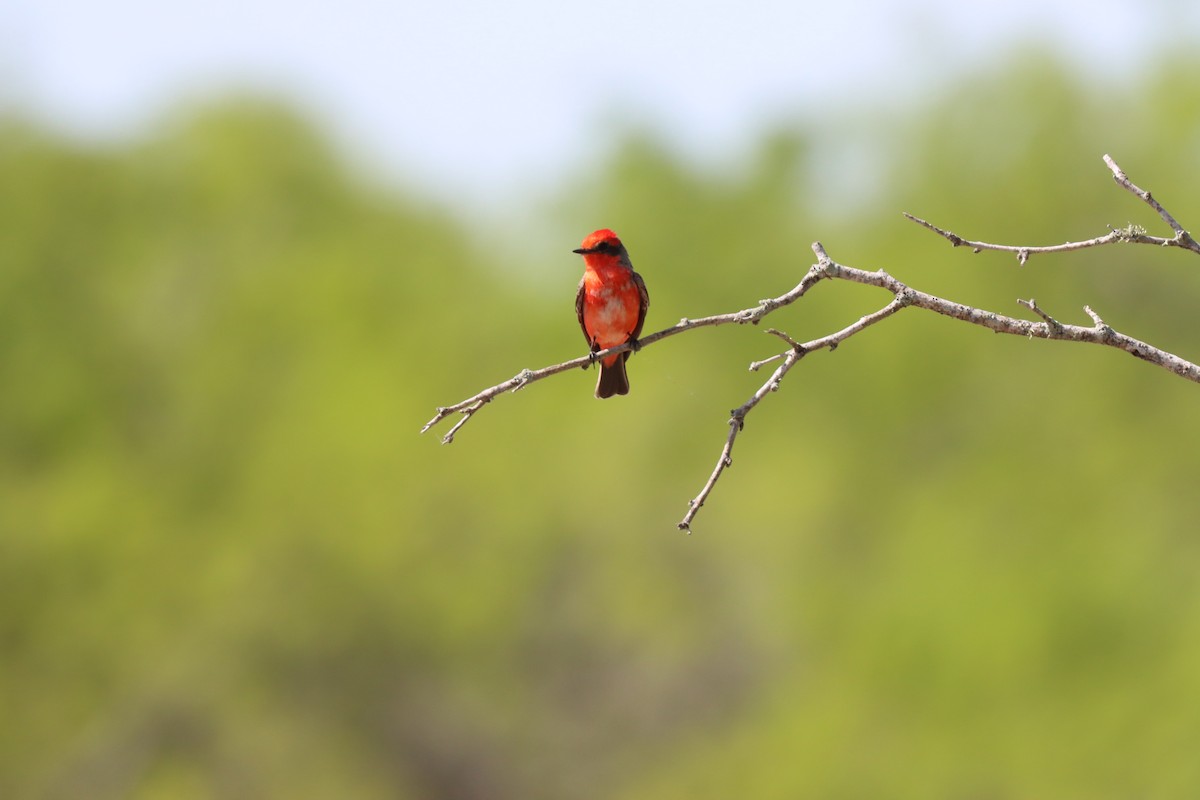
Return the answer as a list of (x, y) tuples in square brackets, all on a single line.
[(611, 306)]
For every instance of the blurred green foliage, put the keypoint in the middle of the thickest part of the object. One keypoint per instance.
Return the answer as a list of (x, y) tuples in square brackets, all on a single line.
[(946, 563)]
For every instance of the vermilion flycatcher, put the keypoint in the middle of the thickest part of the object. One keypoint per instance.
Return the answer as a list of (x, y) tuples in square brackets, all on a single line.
[(611, 306)]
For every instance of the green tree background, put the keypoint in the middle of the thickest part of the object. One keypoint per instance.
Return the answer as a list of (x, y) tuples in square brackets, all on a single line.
[(945, 564)]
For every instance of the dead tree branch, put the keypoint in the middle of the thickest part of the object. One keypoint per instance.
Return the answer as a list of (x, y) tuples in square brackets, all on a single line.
[(1130, 234), (906, 297), (525, 377), (903, 296)]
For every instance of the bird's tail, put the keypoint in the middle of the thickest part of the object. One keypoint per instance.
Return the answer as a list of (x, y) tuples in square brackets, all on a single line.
[(613, 379)]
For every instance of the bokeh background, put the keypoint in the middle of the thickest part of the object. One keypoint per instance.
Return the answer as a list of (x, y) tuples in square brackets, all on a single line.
[(246, 249)]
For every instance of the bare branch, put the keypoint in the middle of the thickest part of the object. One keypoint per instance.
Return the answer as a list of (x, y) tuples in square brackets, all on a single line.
[(1023, 252), (737, 418), (1130, 234), (903, 296), (1099, 333), (525, 377)]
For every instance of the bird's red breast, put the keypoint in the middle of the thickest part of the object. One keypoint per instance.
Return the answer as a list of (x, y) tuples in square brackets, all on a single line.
[(611, 306)]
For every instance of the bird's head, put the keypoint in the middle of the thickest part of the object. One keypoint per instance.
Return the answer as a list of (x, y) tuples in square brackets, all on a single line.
[(601, 248)]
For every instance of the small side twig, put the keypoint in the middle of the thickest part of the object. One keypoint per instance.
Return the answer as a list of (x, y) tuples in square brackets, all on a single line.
[(757, 365), (1031, 304), (1101, 325)]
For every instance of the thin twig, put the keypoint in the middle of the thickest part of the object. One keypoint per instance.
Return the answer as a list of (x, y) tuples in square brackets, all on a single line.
[(1023, 252), (783, 336), (755, 366)]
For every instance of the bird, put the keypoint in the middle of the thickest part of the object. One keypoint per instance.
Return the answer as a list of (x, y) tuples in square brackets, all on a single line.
[(611, 305)]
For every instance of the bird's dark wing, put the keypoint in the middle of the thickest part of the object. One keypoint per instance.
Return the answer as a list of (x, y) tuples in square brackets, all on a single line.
[(579, 312), (642, 306)]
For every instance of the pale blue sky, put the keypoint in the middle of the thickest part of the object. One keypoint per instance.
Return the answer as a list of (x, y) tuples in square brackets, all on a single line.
[(471, 95)]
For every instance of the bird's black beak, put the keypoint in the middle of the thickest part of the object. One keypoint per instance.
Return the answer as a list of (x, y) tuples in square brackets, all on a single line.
[(581, 250)]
